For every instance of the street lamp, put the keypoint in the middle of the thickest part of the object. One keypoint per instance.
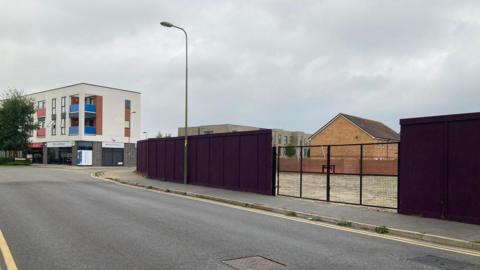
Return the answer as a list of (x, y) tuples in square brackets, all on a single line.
[(167, 24)]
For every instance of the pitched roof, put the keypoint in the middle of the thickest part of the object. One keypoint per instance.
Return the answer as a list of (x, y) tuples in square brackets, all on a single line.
[(89, 84), (375, 129)]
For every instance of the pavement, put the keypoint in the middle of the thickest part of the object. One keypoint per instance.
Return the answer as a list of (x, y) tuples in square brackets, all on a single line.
[(62, 218), (427, 229)]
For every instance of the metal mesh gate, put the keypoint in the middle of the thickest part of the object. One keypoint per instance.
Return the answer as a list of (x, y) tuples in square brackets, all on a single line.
[(363, 174)]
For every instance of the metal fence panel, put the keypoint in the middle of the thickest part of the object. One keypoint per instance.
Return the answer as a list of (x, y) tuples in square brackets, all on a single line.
[(239, 161), (289, 179), (379, 170), (364, 174), (439, 167), (314, 176), (421, 173), (344, 170), (216, 167)]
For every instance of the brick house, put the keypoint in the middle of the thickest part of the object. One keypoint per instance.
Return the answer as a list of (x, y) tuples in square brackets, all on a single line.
[(348, 129)]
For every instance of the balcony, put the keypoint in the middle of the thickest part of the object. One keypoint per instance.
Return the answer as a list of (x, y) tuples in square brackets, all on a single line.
[(74, 108), (72, 131), (41, 113), (41, 132), (90, 108), (90, 130)]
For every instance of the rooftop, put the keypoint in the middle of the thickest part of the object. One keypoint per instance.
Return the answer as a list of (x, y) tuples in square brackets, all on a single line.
[(89, 84)]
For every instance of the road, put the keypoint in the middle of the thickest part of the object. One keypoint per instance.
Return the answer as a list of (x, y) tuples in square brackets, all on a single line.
[(59, 219)]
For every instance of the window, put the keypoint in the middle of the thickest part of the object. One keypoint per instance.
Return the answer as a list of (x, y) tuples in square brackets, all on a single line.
[(90, 100), (64, 103), (279, 139), (41, 123), (127, 104), (54, 106), (41, 104), (127, 124), (62, 126), (54, 128), (285, 139)]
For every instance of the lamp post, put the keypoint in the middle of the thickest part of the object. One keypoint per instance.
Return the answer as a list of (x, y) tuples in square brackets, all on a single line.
[(185, 159)]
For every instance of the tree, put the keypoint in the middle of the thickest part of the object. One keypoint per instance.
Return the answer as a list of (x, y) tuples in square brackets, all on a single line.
[(166, 135), (290, 150), (16, 121)]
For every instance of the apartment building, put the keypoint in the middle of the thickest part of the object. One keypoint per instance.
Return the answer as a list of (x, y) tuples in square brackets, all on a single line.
[(280, 137), (86, 124)]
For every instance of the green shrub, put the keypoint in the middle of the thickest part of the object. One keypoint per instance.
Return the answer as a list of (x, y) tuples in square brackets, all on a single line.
[(344, 223), (382, 229), (4, 160), (291, 214), (12, 161)]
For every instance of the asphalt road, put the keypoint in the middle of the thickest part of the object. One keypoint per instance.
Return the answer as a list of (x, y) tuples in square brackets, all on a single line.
[(57, 219)]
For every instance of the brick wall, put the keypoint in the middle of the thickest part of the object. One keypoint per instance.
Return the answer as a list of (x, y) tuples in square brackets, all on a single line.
[(342, 131), (315, 165)]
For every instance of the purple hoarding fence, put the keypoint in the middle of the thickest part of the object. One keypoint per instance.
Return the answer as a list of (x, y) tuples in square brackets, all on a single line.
[(439, 167), (238, 161)]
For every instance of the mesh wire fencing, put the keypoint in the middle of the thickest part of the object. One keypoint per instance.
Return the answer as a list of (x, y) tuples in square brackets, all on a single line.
[(363, 174)]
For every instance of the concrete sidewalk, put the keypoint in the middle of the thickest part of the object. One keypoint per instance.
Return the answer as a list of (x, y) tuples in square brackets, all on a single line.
[(432, 230)]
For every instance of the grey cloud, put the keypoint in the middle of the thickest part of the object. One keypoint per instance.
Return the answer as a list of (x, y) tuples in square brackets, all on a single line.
[(278, 64)]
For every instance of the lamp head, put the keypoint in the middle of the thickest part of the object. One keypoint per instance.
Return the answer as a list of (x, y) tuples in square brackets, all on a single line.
[(166, 24)]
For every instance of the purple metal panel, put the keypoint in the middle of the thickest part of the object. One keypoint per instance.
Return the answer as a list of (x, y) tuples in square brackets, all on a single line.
[(192, 160), (152, 166), (248, 162), (463, 190), (421, 166), (160, 159), (238, 161), (231, 162), (265, 164), (203, 152), (170, 160), (179, 153), (216, 167), (141, 157), (439, 172)]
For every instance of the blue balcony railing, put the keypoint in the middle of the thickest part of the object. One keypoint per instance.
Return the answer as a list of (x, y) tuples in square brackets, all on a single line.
[(90, 130), (90, 108), (74, 108), (73, 131)]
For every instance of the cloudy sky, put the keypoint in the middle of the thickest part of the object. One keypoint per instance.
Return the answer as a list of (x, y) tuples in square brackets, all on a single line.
[(271, 63)]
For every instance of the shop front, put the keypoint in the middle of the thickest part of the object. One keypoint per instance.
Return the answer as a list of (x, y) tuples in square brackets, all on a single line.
[(35, 152), (59, 152), (84, 153), (113, 154)]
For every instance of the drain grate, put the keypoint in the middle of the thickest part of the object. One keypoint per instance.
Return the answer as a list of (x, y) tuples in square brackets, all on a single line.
[(441, 263), (254, 263)]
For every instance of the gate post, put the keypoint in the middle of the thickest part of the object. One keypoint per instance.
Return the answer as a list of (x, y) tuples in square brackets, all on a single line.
[(301, 171), (278, 149), (328, 173), (274, 170), (398, 176), (361, 174)]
